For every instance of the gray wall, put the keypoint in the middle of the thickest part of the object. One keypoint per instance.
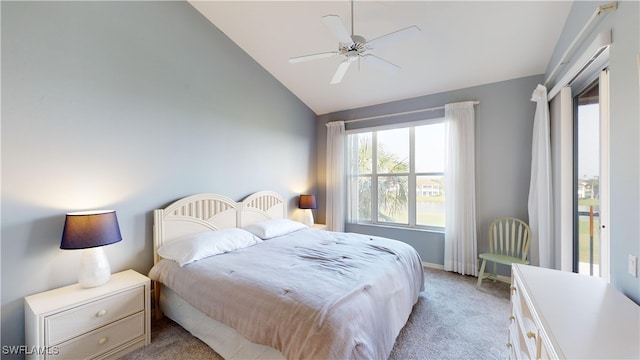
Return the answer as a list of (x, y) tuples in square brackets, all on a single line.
[(128, 105), (624, 130), (504, 124)]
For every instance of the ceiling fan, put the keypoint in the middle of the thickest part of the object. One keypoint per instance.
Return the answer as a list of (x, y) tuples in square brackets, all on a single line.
[(355, 47)]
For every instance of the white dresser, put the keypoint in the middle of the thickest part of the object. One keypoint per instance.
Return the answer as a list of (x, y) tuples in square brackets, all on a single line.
[(563, 315), (104, 322)]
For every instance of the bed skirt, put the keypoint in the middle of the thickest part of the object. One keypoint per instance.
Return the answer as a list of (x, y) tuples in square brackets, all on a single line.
[(223, 339)]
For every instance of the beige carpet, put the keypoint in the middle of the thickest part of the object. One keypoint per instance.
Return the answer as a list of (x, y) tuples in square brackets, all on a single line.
[(452, 320)]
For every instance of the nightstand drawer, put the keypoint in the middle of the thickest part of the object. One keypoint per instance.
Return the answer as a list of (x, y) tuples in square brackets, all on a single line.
[(104, 339), (72, 322)]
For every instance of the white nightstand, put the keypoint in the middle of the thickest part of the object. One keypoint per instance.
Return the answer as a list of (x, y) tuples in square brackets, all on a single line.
[(104, 322), (319, 226)]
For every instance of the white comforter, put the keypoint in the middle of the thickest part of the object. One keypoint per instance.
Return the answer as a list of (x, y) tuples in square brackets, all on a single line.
[(310, 294)]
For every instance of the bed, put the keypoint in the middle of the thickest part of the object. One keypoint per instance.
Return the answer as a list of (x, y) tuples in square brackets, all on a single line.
[(286, 291)]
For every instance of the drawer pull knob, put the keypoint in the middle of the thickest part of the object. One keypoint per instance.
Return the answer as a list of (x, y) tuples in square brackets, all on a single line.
[(513, 289), (101, 313), (511, 317), (509, 345), (531, 335), (103, 340)]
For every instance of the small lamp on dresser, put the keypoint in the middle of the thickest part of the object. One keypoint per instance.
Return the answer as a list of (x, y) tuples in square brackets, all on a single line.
[(90, 230), (307, 202)]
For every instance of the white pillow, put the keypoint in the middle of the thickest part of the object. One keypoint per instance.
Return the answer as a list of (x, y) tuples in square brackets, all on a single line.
[(198, 246), (272, 228)]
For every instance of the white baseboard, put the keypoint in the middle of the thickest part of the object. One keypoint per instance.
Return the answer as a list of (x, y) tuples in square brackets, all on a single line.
[(432, 265)]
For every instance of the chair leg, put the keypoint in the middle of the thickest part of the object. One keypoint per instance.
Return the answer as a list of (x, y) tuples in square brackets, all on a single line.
[(495, 272), (481, 275)]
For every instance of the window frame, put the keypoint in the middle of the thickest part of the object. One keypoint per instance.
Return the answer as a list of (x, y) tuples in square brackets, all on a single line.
[(412, 176)]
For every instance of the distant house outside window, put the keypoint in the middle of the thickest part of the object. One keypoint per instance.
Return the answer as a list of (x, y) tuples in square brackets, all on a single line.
[(396, 175)]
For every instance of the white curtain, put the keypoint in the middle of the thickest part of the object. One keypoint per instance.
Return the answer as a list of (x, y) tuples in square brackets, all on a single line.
[(335, 176), (540, 187), (561, 122), (460, 250)]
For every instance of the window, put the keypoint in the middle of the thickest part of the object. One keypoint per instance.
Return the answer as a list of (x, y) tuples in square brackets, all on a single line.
[(405, 166)]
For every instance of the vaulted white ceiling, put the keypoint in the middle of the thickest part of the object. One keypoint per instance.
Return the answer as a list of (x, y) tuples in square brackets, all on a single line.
[(461, 44)]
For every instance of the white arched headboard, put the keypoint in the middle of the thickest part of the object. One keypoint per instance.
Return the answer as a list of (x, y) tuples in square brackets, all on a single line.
[(210, 212), (263, 205), (190, 215)]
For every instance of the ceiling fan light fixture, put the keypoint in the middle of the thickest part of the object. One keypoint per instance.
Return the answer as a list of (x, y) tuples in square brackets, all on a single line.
[(352, 55)]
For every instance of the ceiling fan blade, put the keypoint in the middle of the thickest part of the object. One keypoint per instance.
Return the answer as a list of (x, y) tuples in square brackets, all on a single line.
[(393, 37), (313, 57), (336, 26), (381, 64), (342, 69)]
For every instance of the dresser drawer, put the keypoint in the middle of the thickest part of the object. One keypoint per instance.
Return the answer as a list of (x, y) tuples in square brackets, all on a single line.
[(523, 326), (78, 320), (102, 340), (518, 343), (513, 342)]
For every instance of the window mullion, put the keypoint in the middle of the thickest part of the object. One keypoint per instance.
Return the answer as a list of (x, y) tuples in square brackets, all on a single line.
[(352, 189), (374, 177), (412, 177)]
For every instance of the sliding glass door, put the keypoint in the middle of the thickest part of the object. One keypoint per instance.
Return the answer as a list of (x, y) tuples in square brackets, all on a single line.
[(587, 142), (590, 248)]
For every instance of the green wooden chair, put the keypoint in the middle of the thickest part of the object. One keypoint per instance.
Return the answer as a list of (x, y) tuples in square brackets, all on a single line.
[(508, 244)]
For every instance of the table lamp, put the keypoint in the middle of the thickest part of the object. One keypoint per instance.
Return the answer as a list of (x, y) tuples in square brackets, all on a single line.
[(90, 230), (307, 202)]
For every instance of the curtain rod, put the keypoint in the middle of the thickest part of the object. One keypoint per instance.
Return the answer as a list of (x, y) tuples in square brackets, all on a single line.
[(597, 12), (401, 113)]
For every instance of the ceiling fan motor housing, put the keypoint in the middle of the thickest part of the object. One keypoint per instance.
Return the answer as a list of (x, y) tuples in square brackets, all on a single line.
[(355, 48)]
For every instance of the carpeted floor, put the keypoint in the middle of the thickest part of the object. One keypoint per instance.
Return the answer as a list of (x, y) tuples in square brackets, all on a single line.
[(451, 320)]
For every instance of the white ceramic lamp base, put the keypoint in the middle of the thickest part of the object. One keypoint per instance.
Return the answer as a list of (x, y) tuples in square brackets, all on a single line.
[(307, 217), (94, 268)]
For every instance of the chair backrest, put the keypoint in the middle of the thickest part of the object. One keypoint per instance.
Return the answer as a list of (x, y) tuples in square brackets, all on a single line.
[(509, 236)]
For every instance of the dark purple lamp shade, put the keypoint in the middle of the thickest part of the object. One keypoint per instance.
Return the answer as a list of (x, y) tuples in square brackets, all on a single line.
[(307, 202), (88, 229)]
